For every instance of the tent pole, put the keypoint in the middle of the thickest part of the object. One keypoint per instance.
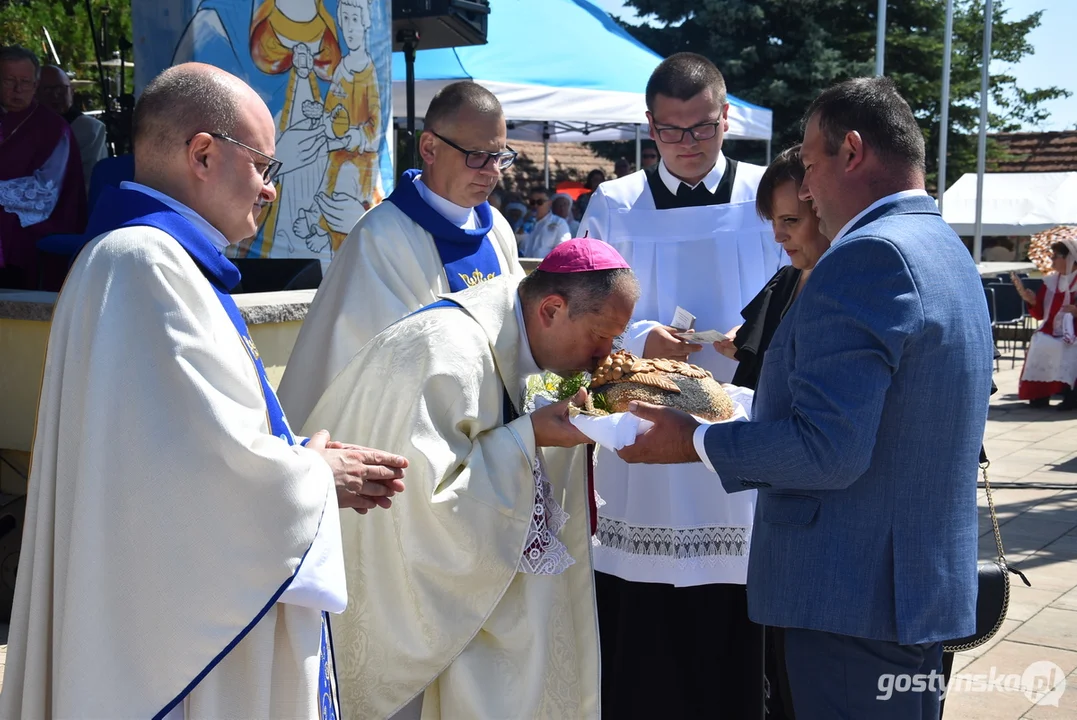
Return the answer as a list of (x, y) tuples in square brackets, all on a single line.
[(410, 39), (981, 151), (768, 151), (880, 37), (546, 154), (639, 150), (944, 120)]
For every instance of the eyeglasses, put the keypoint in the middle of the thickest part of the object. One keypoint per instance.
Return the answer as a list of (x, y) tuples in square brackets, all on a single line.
[(478, 159), (16, 84), (702, 131), (536, 202), (271, 165)]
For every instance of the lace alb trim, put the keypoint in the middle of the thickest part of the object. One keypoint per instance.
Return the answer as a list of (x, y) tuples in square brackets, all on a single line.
[(680, 543), (34, 197), (543, 553)]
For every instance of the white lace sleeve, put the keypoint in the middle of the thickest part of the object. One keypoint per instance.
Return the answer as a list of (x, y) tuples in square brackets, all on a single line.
[(543, 553), (34, 197)]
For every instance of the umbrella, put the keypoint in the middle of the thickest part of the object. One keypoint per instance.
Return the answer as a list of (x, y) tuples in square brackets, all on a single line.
[(1039, 249)]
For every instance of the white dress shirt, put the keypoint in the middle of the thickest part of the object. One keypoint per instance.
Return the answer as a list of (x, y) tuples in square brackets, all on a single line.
[(458, 215)]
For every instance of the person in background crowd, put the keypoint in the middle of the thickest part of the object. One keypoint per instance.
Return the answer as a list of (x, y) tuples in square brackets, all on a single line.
[(548, 230), (561, 205), (648, 156), (54, 92), (1051, 362), (42, 191), (515, 212), (622, 167), (497, 198), (595, 178)]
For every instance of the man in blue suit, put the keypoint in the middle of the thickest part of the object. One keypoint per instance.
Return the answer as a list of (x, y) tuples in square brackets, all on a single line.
[(867, 426)]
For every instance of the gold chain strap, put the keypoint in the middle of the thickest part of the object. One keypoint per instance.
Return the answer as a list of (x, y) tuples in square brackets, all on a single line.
[(994, 518)]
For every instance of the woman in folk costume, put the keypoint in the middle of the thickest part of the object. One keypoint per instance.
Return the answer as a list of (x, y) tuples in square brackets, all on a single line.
[(353, 179), (297, 38), (1051, 363)]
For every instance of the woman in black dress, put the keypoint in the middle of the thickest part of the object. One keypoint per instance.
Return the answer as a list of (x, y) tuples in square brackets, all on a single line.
[(796, 227)]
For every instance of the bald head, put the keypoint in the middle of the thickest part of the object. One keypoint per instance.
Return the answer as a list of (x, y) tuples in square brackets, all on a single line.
[(54, 89), (458, 100), (204, 137), (184, 100)]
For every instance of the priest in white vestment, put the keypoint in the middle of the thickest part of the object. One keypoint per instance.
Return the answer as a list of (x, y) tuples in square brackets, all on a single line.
[(671, 536), (435, 234), (473, 597), (181, 549)]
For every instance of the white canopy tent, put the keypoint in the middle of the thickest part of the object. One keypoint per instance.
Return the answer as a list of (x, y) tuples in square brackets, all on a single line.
[(587, 83), (1013, 203)]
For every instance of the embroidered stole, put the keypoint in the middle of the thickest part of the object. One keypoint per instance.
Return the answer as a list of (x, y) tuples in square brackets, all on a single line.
[(468, 256), (130, 208)]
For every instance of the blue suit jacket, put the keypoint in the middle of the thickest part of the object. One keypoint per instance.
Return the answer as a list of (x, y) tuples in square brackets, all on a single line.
[(867, 426)]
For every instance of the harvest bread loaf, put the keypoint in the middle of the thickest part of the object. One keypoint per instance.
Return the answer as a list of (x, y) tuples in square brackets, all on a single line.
[(622, 378)]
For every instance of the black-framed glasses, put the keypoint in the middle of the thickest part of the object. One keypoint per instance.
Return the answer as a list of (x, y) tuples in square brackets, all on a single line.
[(536, 202), (272, 165), (673, 134), (478, 159)]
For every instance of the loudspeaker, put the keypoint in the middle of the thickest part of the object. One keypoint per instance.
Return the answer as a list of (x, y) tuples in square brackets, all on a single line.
[(441, 23), (273, 274)]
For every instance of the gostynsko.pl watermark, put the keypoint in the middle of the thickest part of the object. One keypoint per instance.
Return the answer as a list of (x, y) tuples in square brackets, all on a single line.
[(1042, 682)]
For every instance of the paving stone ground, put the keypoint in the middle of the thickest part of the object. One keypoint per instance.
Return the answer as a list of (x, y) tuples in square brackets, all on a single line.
[(1034, 465)]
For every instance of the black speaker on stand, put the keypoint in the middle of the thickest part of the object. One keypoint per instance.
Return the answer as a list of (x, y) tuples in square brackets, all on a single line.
[(432, 24)]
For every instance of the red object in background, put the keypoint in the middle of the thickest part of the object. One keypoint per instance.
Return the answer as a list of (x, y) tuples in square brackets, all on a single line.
[(571, 188)]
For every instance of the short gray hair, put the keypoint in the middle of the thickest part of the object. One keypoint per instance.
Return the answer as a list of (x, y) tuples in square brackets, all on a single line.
[(17, 53), (180, 103), (454, 97)]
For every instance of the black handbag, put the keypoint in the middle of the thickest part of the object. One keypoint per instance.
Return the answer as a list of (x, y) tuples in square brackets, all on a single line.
[(993, 580)]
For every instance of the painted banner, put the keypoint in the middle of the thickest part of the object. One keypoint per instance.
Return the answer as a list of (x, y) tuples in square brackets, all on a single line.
[(324, 69)]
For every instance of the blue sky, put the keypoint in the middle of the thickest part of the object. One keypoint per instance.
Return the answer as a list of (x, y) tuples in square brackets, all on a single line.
[(1052, 64)]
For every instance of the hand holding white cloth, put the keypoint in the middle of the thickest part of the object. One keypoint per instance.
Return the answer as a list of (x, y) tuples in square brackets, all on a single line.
[(620, 430)]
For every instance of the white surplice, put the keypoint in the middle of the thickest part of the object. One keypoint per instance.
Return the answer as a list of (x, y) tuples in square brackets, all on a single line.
[(439, 598), (675, 524), (387, 267), (163, 519)]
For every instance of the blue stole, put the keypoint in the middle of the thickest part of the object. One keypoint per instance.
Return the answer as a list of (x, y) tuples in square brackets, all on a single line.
[(467, 255), (118, 208)]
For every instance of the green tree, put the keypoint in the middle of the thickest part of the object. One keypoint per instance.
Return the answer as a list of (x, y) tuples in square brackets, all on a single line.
[(21, 23), (782, 53)]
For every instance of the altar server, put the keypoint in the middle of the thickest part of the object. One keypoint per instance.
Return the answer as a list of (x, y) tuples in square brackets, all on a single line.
[(473, 596), (672, 537), (180, 549), (436, 234)]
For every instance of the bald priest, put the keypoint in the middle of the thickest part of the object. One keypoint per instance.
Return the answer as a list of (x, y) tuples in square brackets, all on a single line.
[(435, 234), (473, 596)]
